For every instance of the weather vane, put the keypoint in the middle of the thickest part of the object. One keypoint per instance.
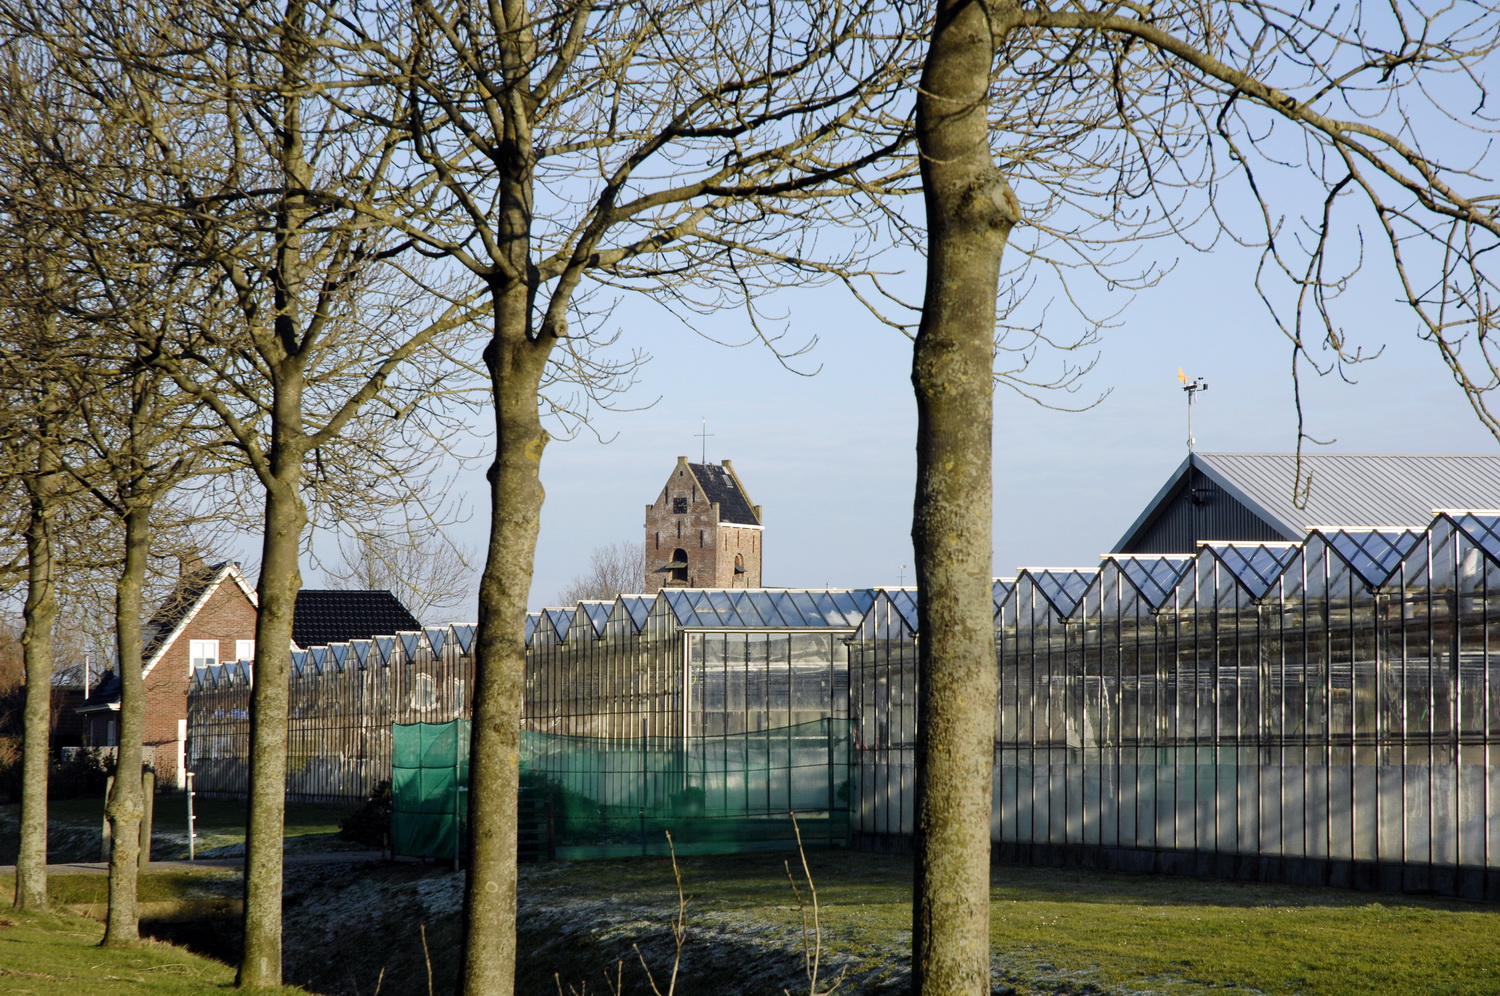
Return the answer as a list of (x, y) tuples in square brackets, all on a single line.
[(704, 436), (1192, 387)]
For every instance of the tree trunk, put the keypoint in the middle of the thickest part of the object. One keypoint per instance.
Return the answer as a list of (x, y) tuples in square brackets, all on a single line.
[(36, 641), (970, 211), (125, 806), (516, 364), (280, 579)]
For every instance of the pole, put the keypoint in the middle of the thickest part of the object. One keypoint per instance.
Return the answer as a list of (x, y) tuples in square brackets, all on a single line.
[(192, 834), (148, 808)]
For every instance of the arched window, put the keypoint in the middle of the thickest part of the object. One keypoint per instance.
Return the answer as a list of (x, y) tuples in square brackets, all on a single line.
[(679, 565)]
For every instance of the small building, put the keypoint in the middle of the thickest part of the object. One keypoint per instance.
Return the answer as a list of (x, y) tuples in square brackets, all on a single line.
[(209, 617), (1279, 497), (702, 531)]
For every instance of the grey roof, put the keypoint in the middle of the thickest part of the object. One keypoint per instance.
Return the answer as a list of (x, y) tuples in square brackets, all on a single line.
[(1340, 489), (720, 485)]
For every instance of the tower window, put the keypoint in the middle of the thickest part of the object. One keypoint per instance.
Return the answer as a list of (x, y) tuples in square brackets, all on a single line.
[(658, 541), (679, 573), (700, 539), (679, 505)]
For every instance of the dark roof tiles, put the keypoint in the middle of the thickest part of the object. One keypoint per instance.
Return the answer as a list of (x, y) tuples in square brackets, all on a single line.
[(719, 485), (324, 616), (189, 590)]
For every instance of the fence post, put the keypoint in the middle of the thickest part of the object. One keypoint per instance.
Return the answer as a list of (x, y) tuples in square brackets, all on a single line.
[(192, 834), (148, 807)]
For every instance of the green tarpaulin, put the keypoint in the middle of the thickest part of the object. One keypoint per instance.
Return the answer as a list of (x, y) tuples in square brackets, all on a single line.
[(429, 788)]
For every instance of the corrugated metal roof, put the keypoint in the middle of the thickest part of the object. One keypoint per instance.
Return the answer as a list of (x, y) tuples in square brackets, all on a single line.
[(1351, 490), (1334, 490)]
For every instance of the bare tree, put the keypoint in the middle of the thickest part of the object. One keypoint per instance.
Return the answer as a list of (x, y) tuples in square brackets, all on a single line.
[(421, 567), (31, 435), (321, 321), (686, 149), (1116, 124), (614, 569)]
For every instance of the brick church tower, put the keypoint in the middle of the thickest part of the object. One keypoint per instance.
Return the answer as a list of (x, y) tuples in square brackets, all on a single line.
[(702, 532)]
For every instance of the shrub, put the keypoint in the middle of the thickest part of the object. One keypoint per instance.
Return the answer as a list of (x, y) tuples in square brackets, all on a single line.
[(370, 824), (10, 769), (84, 773)]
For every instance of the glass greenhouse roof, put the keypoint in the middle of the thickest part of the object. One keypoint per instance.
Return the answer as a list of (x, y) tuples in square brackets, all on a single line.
[(1482, 529), (1001, 590), (561, 620), (728, 608), (597, 614), (1373, 554), (1257, 567), (1154, 578), (904, 602), (1063, 589), (637, 607)]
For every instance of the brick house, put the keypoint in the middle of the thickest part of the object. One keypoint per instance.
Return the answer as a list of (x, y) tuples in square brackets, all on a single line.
[(702, 531), (208, 618)]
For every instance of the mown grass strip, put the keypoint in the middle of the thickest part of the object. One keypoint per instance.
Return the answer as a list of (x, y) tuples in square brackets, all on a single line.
[(1064, 930), (59, 955)]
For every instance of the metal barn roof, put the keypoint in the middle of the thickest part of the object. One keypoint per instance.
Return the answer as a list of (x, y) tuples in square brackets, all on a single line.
[(1334, 490)]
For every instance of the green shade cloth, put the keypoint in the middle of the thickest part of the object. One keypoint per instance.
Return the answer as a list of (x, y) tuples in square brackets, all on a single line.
[(716, 794), (429, 788)]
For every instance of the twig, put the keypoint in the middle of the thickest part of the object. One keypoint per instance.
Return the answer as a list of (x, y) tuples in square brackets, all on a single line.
[(679, 930), (811, 954), (427, 957)]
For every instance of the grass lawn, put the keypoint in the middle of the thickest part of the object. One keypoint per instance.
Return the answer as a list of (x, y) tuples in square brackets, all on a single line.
[(1053, 930), (58, 955), (1063, 930), (74, 827)]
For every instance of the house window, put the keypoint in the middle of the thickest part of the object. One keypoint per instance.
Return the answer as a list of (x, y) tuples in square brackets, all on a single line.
[(204, 653), (244, 650), (679, 505)]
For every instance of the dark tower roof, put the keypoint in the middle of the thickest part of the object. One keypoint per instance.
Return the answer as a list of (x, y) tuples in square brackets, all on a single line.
[(323, 616), (720, 484)]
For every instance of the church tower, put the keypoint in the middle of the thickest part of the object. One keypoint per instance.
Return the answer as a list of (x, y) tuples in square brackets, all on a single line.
[(702, 532)]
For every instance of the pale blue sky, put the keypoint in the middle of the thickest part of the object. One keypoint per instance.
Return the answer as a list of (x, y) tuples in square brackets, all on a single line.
[(830, 457)]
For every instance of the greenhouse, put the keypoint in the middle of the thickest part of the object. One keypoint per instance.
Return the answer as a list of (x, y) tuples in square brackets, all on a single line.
[(1315, 712), (712, 713), (345, 698)]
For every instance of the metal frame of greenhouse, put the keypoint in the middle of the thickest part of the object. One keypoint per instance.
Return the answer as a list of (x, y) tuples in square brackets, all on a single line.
[(1318, 712), (711, 713), (1322, 711)]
